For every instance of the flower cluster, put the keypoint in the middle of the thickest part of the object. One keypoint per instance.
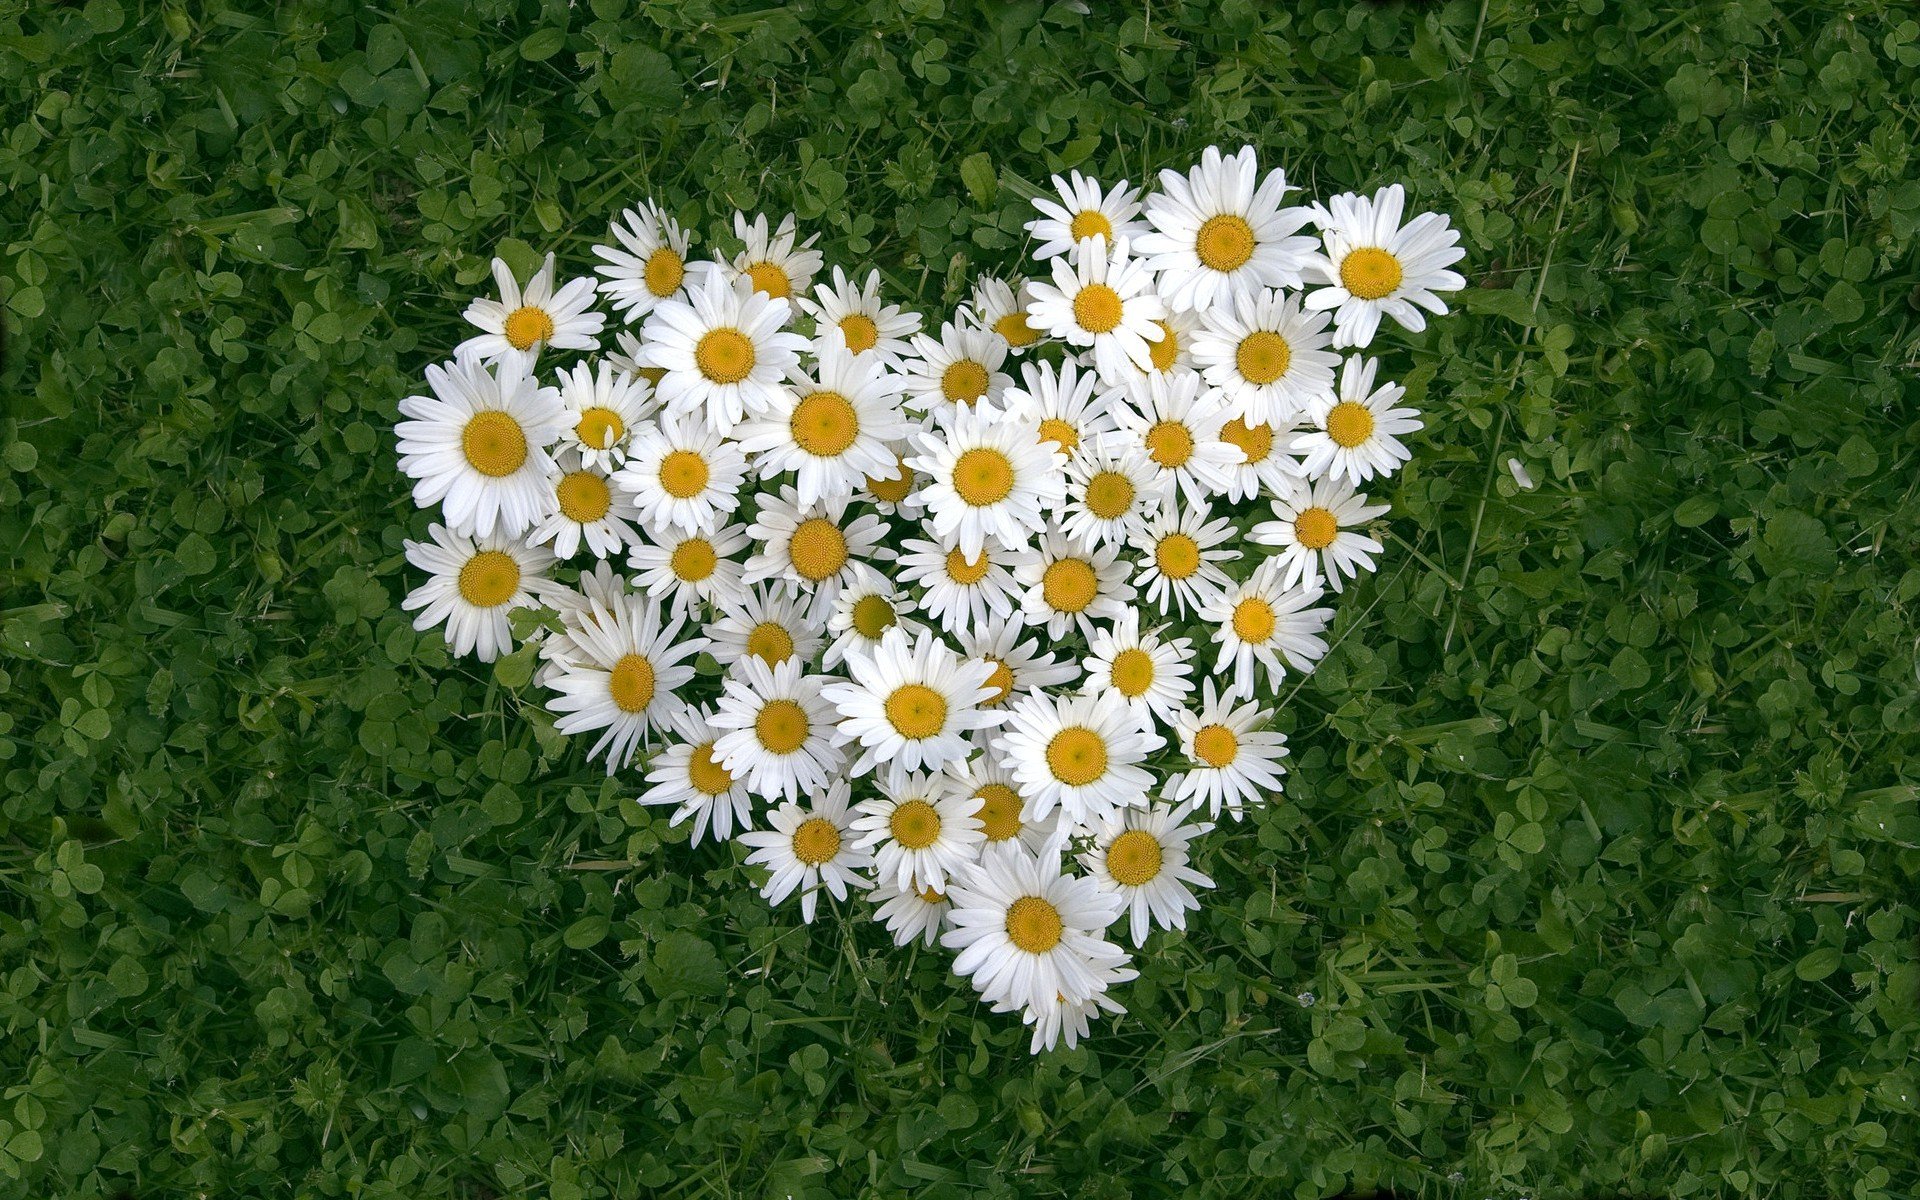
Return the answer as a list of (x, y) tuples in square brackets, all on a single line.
[(992, 615)]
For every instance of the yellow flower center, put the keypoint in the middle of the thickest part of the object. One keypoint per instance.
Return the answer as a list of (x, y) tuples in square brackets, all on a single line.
[(1164, 352), (894, 488), (999, 811), (782, 726), (489, 579), (1015, 329), (631, 683), (1254, 441), (1097, 308), (816, 841), (584, 497), (1225, 242), (1060, 433), (684, 474), (1315, 528), (599, 428), (1001, 681), (1370, 273), (872, 616), (1216, 746), (915, 824), (1170, 443), (916, 711), (818, 549), (724, 355), (983, 476), (1090, 222), (965, 381), (1177, 556), (1109, 495), (653, 375), (1134, 858), (693, 560), (1069, 585), (1132, 672), (1034, 924), (1349, 424), (494, 444), (771, 278), (1253, 620), (1077, 756), (706, 774), (861, 332), (665, 272), (770, 642), (964, 571), (1263, 356), (527, 325), (824, 424)]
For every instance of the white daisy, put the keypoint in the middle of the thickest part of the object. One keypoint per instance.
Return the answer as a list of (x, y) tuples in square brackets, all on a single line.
[(1356, 435), (867, 326), (808, 848), (1081, 754), (1177, 422), (919, 830), (1268, 356), (582, 506), (684, 570), (724, 350), (599, 584), (910, 912), (1068, 586), (1265, 467), (1085, 210), (780, 733), (1101, 299), (1002, 308), (956, 372), (649, 265), (1173, 351), (1113, 488), (958, 591), (912, 702), (681, 473), (522, 323), (1062, 403), (1180, 556), (867, 607), (777, 266), (473, 584), (1004, 814), (812, 547), (1030, 935), (1067, 1020), (1259, 620), (1016, 668), (603, 408), (479, 446), (766, 622), (896, 489), (988, 476), (628, 359), (833, 427), (687, 774), (1142, 668), (1234, 758), (1373, 266), (625, 679), (1215, 234), (1316, 528), (1140, 855)]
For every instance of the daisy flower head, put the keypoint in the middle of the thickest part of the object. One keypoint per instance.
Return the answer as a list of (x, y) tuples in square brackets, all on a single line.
[(681, 473), (957, 371), (1005, 816), (583, 507), (1173, 351), (1084, 210), (773, 262), (1113, 488), (867, 607), (958, 591), (599, 584), (723, 351), (1069, 1020), (628, 358), (1177, 421), (895, 490), (522, 322), (603, 407), (1141, 856), (1028, 934), (626, 679), (1373, 266), (1062, 402), (912, 703), (919, 830), (1266, 354), (687, 774), (807, 848), (1181, 551), (832, 427), (867, 326), (988, 477), (766, 622), (1259, 620), (1266, 466), (1068, 586), (1102, 299), (1234, 759), (779, 733), (1356, 434), (911, 912), (479, 446), (473, 584), (1002, 308), (1015, 668), (813, 548), (1220, 229), (648, 266), (1316, 527), (1142, 668), (1080, 754), (685, 570)]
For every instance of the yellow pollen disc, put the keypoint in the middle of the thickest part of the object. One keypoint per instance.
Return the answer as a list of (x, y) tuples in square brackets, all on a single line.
[(527, 325), (494, 444), (706, 774), (1061, 434), (860, 331), (693, 560), (724, 355), (771, 278), (1255, 441), (584, 497), (1216, 746), (873, 616), (1170, 443), (1001, 681), (1090, 222), (1224, 243), (1349, 424), (824, 424), (916, 711), (1316, 528), (782, 726), (1109, 495), (631, 683), (894, 488), (933, 897), (964, 571), (1132, 672), (1370, 273), (1097, 308), (999, 811), (684, 474), (1133, 858), (1263, 356), (489, 579), (915, 824), (1166, 350), (1015, 329), (599, 428), (1177, 556), (982, 477), (770, 643), (1077, 756), (818, 549), (1069, 585), (1253, 620), (816, 841), (665, 272), (1034, 924), (964, 382)]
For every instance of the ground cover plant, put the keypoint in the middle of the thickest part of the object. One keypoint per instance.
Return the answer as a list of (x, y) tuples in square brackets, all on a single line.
[(1594, 875)]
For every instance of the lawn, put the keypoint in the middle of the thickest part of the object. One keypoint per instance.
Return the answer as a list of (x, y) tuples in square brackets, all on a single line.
[(1596, 875)]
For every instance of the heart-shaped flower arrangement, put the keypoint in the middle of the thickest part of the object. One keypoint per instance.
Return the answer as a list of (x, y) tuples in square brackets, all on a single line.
[(997, 647)]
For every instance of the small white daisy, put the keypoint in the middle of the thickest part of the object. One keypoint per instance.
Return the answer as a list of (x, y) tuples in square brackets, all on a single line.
[(1068, 1020), (988, 476), (1003, 308), (724, 349), (479, 446), (1113, 489), (1356, 435), (1062, 403), (910, 913), (1004, 814), (583, 507), (766, 622), (1028, 934), (1084, 210), (1373, 266), (1142, 668), (1068, 586), (1216, 234), (833, 427), (1316, 528), (780, 733), (522, 323), (649, 265), (473, 584), (812, 547), (1234, 759), (1181, 552), (896, 489), (681, 473), (1173, 352), (626, 678), (1140, 855), (912, 702), (1177, 422), (599, 584), (1101, 298), (958, 591), (603, 408), (628, 359), (957, 371), (684, 570), (778, 266), (1266, 467), (808, 848), (1016, 668), (867, 607), (687, 774), (867, 327), (1266, 355), (920, 830), (1081, 754), (1259, 620)]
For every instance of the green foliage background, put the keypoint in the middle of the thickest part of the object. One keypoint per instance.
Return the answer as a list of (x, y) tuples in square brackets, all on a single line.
[(1601, 852)]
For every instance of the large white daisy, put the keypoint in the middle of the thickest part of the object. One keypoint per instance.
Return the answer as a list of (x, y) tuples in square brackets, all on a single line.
[(767, 622), (1177, 422), (1027, 934), (1067, 585), (957, 371), (521, 323), (988, 476), (1181, 552), (684, 570), (1317, 529), (832, 427), (912, 702), (1233, 758), (1258, 620), (473, 584), (583, 507), (1356, 435), (1215, 233), (807, 848), (812, 547), (1266, 355), (649, 265), (958, 590), (625, 678), (1147, 671), (1102, 299), (780, 734), (1141, 855), (681, 473), (724, 351), (479, 446), (1082, 754), (1113, 488), (1373, 266), (1083, 211), (920, 829)]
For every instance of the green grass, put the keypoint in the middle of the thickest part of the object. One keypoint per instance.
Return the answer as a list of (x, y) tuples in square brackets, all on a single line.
[(1601, 853)]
